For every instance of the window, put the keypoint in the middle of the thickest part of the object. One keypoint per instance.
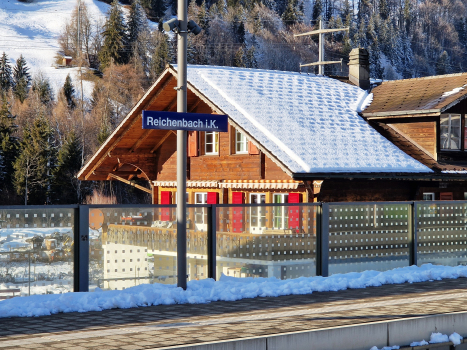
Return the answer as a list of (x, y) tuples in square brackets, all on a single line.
[(211, 142), (241, 143), (257, 214), (428, 196), (201, 215), (281, 219), (450, 131)]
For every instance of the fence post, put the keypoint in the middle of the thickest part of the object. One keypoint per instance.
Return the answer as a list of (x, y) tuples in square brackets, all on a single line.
[(322, 241), (81, 249), (412, 228), (212, 225)]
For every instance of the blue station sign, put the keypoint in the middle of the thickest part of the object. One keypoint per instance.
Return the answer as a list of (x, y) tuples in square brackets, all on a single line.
[(184, 121)]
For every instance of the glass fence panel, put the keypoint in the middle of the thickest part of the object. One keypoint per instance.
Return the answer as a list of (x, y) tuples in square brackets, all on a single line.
[(36, 251), (442, 233), (132, 246), (368, 237), (267, 241)]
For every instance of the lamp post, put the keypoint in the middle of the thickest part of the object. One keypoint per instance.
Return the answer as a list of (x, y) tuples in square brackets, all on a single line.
[(181, 26)]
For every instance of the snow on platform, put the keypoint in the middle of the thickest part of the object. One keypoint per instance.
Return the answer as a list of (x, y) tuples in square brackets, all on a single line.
[(226, 289)]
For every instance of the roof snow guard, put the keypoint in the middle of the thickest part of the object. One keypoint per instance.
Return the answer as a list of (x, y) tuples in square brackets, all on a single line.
[(308, 123)]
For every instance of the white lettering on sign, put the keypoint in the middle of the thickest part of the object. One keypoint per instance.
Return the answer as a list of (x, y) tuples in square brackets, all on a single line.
[(181, 123)]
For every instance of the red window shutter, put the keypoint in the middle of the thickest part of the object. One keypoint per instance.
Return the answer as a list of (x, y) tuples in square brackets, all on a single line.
[(193, 137), (238, 198), (252, 149), (294, 197), (166, 198), (294, 212), (446, 196), (213, 198), (237, 212)]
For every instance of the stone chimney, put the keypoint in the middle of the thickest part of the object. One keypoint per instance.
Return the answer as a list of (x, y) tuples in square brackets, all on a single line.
[(359, 68)]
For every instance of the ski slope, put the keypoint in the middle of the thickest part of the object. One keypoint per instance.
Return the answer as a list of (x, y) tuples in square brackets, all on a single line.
[(32, 29)]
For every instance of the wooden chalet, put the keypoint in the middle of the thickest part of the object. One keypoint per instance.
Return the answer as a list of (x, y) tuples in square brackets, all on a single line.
[(425, 117), (293, 138)]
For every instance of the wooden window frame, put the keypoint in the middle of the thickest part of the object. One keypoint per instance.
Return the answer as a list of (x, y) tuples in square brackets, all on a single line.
[(214, 143), (462, 134)]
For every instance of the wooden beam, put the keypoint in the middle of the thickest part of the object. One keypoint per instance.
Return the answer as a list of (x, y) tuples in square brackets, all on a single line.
[(140, 140), (192, 107), (162, 141), (172, 104), (130, 183), (160, 90), (114, 144)]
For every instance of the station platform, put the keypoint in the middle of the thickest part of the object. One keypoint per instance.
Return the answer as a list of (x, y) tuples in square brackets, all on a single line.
[(363, 317)]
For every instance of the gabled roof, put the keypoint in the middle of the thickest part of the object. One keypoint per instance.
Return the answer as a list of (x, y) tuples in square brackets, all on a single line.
[(420, 96), (307, 124)]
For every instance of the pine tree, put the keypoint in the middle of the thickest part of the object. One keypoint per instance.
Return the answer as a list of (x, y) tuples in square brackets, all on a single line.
[(65, 186), (238, 58), (317, 11), (292, 13), (156, 8), (42, 89), (6, 78), (21, 79), (442, 64), (115, 44), (8, 146), (137, 22), (32, 168), (161, 55), (69, 91)]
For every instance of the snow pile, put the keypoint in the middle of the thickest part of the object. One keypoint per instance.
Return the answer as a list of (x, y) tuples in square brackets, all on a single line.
[(455, 338), (434, 339), (419, 343), (310, 123), (226, 289), (32, 29), (453, 91), (438, 338)]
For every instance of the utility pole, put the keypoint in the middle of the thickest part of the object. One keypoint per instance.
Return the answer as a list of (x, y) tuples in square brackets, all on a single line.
[(80, 62), (321, 62), (181, 142)]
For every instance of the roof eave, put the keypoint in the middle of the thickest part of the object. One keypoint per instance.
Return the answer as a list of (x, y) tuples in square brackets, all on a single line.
[(101, 152), (398, 114), (381, 176)]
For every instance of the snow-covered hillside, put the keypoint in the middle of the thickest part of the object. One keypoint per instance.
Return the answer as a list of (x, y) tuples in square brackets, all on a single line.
[(32, 29)]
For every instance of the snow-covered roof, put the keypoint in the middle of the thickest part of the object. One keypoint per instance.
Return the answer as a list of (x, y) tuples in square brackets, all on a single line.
[(309, 123)]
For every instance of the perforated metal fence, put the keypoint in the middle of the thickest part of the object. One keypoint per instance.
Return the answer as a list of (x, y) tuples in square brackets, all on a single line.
[(51, 249)]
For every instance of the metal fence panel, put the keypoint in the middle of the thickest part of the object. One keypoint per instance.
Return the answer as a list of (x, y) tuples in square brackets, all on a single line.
[(442, 233), (368, 236)]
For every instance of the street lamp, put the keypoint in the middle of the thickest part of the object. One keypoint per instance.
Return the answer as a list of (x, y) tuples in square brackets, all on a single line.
[(182, 27)]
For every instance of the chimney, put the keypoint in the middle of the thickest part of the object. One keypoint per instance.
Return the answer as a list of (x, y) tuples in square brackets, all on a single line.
[(359, 68)]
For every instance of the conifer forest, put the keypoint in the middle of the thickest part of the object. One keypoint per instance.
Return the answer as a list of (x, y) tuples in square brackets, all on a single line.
[(45, 139)]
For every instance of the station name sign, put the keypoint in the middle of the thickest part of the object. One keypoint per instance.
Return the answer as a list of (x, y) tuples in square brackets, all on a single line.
[(184, 121)]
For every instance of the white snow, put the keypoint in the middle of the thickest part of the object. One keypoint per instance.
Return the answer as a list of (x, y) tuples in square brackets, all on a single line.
[(455, 338), (419, 343), (32, 29), (310, 123), (435, 338), (226, 289), (438, 338), (454, 91)]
